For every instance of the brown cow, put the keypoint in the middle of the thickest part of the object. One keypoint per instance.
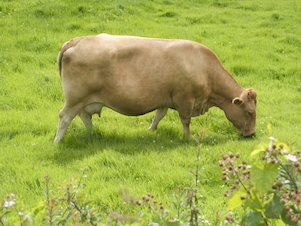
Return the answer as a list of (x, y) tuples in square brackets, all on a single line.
[(136, 75)]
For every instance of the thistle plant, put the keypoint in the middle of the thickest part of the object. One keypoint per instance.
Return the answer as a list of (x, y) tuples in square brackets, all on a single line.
[(150, 210), (70, 206), (269, 190), (235, 174)]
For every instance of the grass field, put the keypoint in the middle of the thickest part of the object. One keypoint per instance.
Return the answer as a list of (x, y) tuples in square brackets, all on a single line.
[(258, 42)]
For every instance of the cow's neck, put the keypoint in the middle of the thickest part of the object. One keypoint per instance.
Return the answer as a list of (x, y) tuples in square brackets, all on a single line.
[(225, 89)]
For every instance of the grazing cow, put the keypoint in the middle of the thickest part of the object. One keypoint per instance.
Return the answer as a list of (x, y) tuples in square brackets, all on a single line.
[(136, 75)]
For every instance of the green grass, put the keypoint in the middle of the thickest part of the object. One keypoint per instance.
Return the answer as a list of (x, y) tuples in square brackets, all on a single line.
[(257, 41)]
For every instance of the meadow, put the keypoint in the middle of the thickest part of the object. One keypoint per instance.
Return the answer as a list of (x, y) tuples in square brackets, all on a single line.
[(257, 41)]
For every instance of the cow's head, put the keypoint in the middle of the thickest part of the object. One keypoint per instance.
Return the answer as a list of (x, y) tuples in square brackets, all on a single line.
[(242, 112)]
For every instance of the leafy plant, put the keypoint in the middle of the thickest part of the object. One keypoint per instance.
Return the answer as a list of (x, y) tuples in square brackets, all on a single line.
[(268, 190), (68, 207)]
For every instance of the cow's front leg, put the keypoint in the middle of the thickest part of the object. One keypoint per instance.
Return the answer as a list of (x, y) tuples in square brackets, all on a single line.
[(186, 123), (185, 112), (160, 113)]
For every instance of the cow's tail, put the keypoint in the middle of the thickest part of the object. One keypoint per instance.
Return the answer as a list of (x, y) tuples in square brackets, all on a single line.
[(64, 48)]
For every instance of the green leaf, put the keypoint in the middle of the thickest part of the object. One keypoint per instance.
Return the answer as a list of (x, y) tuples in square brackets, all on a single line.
[(274, 208), (254, 203), (279, 223), (263, 179), (38, 209), (235, 201), (257, 151), (27, 220), (298, 179), (285, 146), (252, 219)]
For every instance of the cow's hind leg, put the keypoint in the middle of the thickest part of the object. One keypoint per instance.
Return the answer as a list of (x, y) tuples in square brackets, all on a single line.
[(86, 118), (66, 115), (160, 113), (86, 113)]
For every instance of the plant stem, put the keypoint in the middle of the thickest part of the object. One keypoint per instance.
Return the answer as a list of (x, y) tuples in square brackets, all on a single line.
[(240, 181), (49, 205), (288, 174), (242, 184)]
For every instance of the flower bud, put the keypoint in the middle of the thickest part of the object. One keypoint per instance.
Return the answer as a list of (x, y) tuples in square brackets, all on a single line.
[(221, 163), (243, 197), (294, 219), (233, 188), (283, 201)]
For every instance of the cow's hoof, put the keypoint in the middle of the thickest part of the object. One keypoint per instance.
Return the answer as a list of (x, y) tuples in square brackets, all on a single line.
[(152, 129), (187, 136), (56, 140)]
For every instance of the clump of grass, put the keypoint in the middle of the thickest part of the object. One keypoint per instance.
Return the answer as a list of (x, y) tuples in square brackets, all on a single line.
[(169, 14)]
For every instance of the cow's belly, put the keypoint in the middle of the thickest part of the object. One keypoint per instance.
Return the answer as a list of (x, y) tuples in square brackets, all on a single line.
[(131, 105)]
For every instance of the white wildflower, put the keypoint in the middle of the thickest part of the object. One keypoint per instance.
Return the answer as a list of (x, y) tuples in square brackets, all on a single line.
[(272, 140), (292, 158), (249, 167), (206, 222), (286, 181), (8, 203)]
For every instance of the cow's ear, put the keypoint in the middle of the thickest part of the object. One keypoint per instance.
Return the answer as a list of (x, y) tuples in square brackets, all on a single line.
[(237, 101), (251, 94)]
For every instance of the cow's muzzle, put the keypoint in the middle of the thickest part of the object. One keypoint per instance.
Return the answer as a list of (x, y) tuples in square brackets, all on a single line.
[(251, 134)]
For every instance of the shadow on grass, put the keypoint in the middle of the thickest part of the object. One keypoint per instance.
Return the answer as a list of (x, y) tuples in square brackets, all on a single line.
[(79, 144), (138, 142)]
